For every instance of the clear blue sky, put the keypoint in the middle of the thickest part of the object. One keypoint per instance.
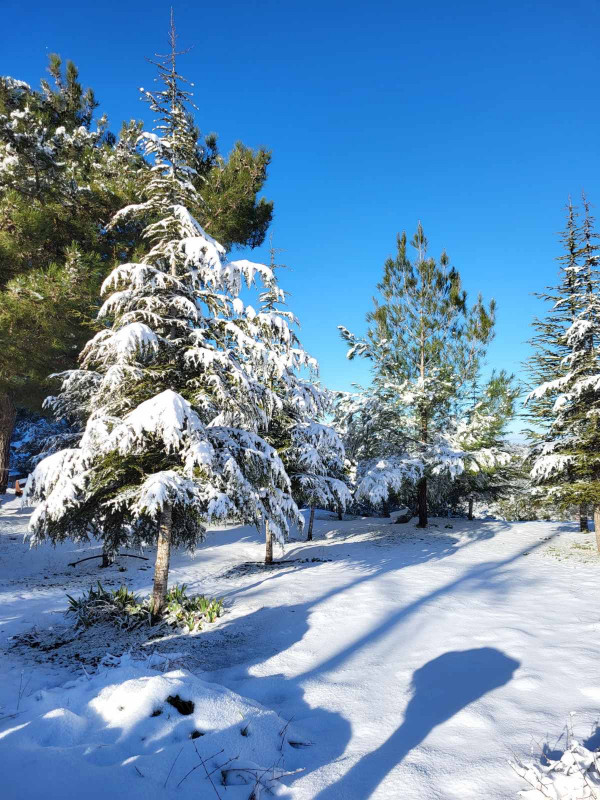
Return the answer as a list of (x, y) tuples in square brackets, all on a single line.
[(478, 118)]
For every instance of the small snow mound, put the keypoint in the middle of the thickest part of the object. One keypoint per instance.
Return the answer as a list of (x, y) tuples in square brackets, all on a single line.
[(124, 722), (59, 728)]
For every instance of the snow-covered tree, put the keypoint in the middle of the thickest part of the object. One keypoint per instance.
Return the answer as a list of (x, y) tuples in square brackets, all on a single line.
[(314, 461), (426, 345), (178, 384), (312, 452), (565, 404), (62, 178), (490, 465)]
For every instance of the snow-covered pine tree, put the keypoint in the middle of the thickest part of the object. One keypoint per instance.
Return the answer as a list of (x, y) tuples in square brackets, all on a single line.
[(566, 402), (490, 465), (312, 452), (60, 184), (314, 462), (177, 384), (57, 192), (426, 346)]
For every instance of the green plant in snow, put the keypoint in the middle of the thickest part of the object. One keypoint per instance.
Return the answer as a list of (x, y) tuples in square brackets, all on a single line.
[(124, 609), (119, 607)]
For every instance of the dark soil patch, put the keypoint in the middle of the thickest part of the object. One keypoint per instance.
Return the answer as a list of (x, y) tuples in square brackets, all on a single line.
[(185, 707)]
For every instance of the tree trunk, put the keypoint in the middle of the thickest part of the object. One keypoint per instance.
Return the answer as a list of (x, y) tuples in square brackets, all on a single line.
[(310, 524), (108, 557), (422, 502), (386, 509), (269, 543), (422, 485), (597, 525), (8, 414), (470, 515), (340, 514), (161, 567), (583, 518)]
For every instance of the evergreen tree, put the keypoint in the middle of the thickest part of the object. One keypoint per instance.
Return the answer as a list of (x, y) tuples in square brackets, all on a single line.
[(312, 452), (566, 403), (60, 184), (178, 384), (493, 468), (426, 345)]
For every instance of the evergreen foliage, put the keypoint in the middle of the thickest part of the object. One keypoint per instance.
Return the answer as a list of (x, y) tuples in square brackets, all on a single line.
[(178, 384), (313, 452), (60, 184), (426, 345), (565, 404)]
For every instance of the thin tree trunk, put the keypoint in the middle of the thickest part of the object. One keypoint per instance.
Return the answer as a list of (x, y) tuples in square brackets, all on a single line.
[(470, 515), (269, 543), (597, 525), (107, 557), (583, 518), (422, 485), (310, 524), (8, 414), (163, 554), (340, 514), (422, 502), (386, 509)]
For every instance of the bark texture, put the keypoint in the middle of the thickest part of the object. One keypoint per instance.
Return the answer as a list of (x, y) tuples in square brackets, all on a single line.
[(268, 544), (470, 515), (107, 557), (8, 414), (597, 525), (422, 503), (311, 522), (163, 555), (583, 518)]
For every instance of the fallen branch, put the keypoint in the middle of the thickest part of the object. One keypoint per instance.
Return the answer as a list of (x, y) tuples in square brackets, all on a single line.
[(120, 555)]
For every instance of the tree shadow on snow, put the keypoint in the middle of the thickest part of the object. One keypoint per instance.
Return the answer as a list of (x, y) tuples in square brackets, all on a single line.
[(418, 547), (270, 631), (441, 688)]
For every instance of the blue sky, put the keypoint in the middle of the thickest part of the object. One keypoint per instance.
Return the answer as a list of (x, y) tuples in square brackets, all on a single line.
[(478, 118)]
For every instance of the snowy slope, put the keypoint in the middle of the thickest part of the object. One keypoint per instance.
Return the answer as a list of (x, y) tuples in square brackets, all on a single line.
[(414, 663)]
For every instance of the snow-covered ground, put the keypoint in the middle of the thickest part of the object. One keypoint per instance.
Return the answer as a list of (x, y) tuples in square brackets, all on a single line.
[(409, 664)]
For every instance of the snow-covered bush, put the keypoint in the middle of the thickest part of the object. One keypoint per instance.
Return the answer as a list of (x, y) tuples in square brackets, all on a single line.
[(158, 734), (574, 776), (35, 437)]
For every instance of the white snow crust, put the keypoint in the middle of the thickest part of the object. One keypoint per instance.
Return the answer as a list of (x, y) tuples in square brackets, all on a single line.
[(413, 664)]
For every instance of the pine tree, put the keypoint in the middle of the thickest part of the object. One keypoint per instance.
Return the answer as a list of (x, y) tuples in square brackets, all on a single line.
[(312, 452), (490, 465), (566, 403), (61, 181), (178, 384), (426, 346)]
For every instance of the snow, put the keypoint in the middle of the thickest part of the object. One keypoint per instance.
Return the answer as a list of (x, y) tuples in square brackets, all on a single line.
[(117, 730), (166, 415), (574, 776), (413, 664)]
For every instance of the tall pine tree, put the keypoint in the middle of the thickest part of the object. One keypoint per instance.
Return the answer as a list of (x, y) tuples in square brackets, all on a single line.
[(177, 386), (426, 345), (565, 405)]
